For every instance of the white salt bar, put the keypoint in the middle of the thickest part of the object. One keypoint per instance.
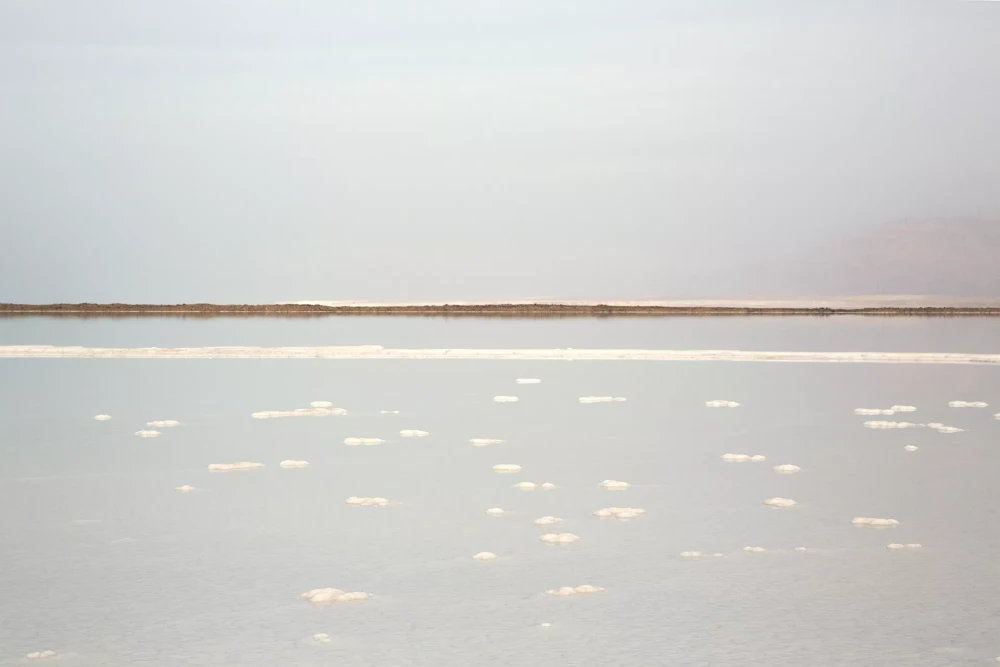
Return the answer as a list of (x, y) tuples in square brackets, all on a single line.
[(800, 549), (904, 546), (505, 399), (483, 442), (496, 511), (332, 595), (525, 486), (388, 412), (889, 424), (614, 485), (757, 458), (165, 423), (527, 380), (877, 523), (485, 555), (787, 469), (721, 404), (299, 412), (321, 637), (354, 442), (559, 538), (566, 591), (736, 458), (367, 502), (321, 404), (227, 467), (780, 502), (874, 411), (904, 408), (619, 513), (754, 550), (548, 486), (603, 399), (294, 464), (547, 520), (967, 404), (690, 554), (911, 448), (41, 655), (187, 488), (717, 555), (545, 625), (413, 433), (102, 418), (948, 429), (147, 434), (506, 468)]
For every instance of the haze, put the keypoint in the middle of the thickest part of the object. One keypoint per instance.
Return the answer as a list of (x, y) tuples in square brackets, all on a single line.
[(201, 150)]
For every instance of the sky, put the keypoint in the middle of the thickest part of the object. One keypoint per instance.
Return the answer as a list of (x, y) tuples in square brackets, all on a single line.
[(253, 151)]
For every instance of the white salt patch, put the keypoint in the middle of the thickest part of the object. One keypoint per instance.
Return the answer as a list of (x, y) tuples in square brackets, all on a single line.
[(780, 502), (722, 404), (525, 486), (717, 555), (485, 555), (614, 485), (354, 442), (619, 513), (911, 448), (757, 458), (413, 433), (874, 411), (165, 423), (227, 467), (548, 486), (602, 399), (496, 511), (800, 549), (506, 468), (482, 442), (904, 408), (877, 523), (147, 434), (690, 554), (321, 637), (736, 458), (41, 655), (941, 428), (527, 380), (967, 404), (187, 488), (559, 538), (294, 464), (388, 412), (567, 591), (787, 469), (545, 625), (367, 502), (754, 550), (321, 404), (505, 399), (904, 546), (299, 412), (102, 418), (888, 424), (332, 595), (547, 520)]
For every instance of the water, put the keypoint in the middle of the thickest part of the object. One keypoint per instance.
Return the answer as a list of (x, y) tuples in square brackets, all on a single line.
[(103, 562)]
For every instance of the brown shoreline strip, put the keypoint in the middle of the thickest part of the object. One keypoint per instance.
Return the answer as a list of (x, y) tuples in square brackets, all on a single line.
[(474, 310)]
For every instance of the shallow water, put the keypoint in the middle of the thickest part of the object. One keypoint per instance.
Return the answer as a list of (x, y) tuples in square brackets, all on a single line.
[(105, 563)]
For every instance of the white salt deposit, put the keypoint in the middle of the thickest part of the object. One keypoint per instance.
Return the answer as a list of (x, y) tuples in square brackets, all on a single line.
[(602, 399), (483, 442), (321, 404), (619, 513), (413, 433), (566, 591), (367, 502), (754, 550), (614, 485), (496, 511), (165, 423), (874, 411), (147, 434), (294, 464), (187, 488), (299, 412), (895, 545), (941, 428), (527, 380), (911, 448), (41, 655), (525, 486), (722, 404), (967, 404), (388, 412), (505, 399), (780, 502), (800, 549), (332, 595), (547, 520), (889, 424), (690, 554), (877, 523), (736, 458), (787, 469), (904, 408), (227, 467), (102, 418), (757, 458), (545, 625), (485, 555), (559, 538), (506, 468), (321, 637), (548, 486), (354, 442)]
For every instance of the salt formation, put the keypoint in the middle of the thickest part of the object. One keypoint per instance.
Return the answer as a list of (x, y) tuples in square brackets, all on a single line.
[(548, 486), (566, 591), (877, 523), (496, 511), (321, 404), (614, 485), (41, 655), (354, 442), (298, 412), (482, 442), (506, 468), (757, 458), (690, 554), (294, 464), (780, 502), (166, 423), (527, 380), (485, 555), (547, 520), (413, 433), (549, 625), (941, 428), (331, 595), (904, 546), (559, 538), (619, 513), (874, 411), (722, 404), (787, 469), (888, 424), (736, 458), (147, 434), (754, 550), (388, 412), (102, 418), (321, 637), (602, 399), (800, 549), (187, 488), (967, 404), (911, 448), (525, 486), (904, 408), (227, 467), (505, 399), (367, 502)]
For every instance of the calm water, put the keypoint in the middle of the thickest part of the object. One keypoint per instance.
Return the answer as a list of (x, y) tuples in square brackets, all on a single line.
[(103, 562)]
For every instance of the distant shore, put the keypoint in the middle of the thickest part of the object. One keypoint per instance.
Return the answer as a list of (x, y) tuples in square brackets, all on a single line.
[(515, 310)]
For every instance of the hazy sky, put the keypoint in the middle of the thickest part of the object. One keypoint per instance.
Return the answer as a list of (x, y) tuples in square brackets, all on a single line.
[(251, 150)]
